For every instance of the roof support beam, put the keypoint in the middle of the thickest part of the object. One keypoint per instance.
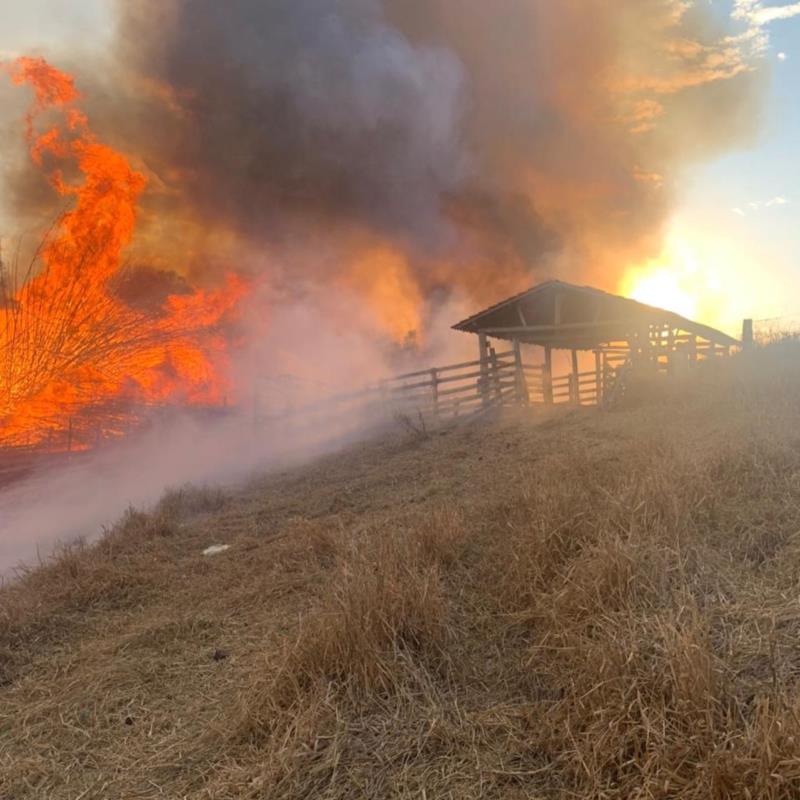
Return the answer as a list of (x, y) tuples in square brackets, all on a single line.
[(558, 328)]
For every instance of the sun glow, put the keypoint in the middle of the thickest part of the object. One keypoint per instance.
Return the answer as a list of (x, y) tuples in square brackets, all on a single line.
[(699, 277), (672, 281)]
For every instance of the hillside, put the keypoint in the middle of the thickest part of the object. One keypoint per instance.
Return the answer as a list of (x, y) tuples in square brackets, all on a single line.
[(580, 604)]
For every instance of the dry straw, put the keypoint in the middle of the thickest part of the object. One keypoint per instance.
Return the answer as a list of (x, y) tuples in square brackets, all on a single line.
[(584, 605)]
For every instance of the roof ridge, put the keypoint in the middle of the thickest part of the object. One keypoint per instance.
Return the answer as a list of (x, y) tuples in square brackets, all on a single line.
[(555, 282)]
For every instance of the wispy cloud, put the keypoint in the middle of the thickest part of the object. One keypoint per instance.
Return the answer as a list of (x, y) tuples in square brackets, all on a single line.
[(758, 205), (757, 17), (763, 16), (694, 62)]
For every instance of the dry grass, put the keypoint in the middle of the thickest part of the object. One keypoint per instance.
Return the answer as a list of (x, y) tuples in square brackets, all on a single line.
[(581, 605)]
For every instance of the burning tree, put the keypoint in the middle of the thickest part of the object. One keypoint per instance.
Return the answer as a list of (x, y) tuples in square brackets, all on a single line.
[(74, 357)]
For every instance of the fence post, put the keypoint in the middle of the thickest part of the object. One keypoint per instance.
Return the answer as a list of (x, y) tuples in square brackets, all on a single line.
[(747, 334), (547, 376), (383, 392), (483, 381), (435, 391), (598, 377), (575, 386), (692, 349), (495, 375), (523, 398), (671, 351)]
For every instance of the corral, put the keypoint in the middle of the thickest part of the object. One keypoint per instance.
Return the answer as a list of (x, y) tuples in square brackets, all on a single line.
[(604, 341), (620, 333)]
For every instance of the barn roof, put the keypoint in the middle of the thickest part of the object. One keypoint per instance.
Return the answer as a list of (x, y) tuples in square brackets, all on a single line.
[(567, 316)]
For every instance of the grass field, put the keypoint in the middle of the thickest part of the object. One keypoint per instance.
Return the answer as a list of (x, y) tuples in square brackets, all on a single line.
[(565, 605)]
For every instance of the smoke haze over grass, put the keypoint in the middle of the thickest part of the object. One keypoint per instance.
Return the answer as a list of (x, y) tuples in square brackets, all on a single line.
[(595, 604)]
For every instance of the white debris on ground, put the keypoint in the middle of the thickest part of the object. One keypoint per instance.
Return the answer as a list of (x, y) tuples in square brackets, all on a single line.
[(216, 549)]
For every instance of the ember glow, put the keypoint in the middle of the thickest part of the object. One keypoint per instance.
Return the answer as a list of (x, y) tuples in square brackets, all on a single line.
[(74, 357)]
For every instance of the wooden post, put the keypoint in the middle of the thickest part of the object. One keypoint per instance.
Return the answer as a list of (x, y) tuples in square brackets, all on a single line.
[(598, 377), (630, 345), (483, 381), (547, 376), (670, 351), (647, 347), (523, 398), (435, 391), (692, 350), (575, 386), (747, 334), (495, 375), (381, 398)]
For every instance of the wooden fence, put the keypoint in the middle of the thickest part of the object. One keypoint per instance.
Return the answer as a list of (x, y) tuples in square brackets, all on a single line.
[(425, 396), (460, 391), (456, 391)]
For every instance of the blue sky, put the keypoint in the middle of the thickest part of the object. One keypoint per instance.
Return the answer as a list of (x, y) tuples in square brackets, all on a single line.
[(752, 196)]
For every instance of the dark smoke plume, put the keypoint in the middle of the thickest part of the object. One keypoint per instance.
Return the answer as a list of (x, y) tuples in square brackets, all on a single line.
[(488, 143), (316, 109)]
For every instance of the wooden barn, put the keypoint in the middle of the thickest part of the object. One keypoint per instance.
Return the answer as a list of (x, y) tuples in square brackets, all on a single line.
[(621, 334)]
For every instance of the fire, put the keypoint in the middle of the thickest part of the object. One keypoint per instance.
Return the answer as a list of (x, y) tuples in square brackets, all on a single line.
[(73, 355), (383, 279)]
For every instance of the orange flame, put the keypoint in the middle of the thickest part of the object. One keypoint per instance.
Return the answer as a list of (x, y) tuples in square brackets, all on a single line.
[(70, 349)]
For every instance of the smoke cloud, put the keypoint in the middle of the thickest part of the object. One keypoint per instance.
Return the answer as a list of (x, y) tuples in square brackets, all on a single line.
[(451, 146), (377, 169), (318, 111), (488, 144), (81, 498)]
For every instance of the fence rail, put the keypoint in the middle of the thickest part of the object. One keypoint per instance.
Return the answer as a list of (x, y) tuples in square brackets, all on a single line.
[(470, 388), (450, 392)]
